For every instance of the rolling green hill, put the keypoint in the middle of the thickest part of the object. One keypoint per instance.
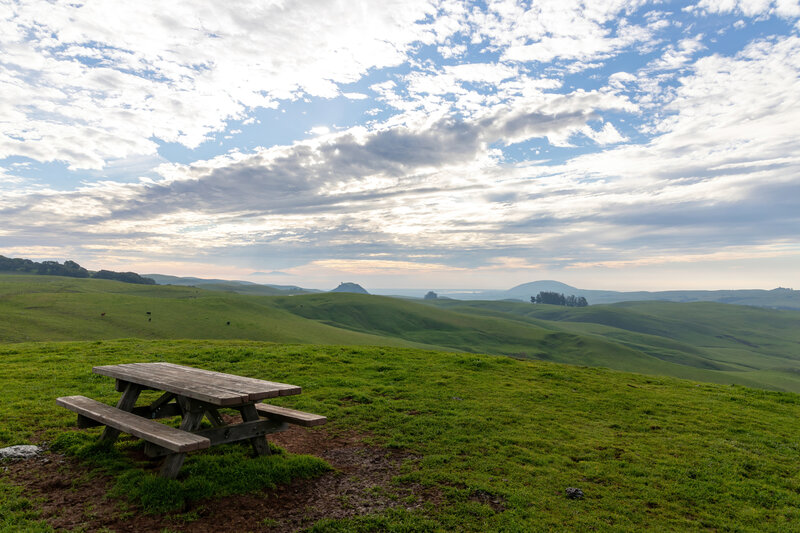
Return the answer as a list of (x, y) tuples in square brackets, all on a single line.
[(463, 329), (709, 342), (44, 308), (488, 443), (737, 341)]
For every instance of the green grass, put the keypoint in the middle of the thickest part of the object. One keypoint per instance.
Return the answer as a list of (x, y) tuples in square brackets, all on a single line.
[(221, 471), (705, 341), (49, 308), (717, 343), (649, 453)]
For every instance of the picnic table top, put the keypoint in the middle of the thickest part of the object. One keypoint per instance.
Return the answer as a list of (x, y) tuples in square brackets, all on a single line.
[(207, 386)]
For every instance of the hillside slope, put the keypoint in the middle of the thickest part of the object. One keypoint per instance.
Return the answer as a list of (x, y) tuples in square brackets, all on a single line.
[(45, 308), (738, 341), (715, 343), (488, 443)]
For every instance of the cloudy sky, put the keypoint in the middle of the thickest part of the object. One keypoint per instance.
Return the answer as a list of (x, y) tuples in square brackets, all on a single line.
[(434, 144)]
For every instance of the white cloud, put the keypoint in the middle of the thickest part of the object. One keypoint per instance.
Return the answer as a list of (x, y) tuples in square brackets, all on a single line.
[(561, 30), (716, 139), (608, 134), (675, 57), (752, 8), (85, 83), (319, 130)]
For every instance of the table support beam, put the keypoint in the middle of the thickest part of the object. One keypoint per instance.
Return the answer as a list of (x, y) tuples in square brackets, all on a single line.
[(214, 417), (225, 435), (260, 444), (125, 403), (192, 416)]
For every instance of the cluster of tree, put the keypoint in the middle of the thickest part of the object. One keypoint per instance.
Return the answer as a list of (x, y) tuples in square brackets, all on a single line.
[(431, 295), (69, 268), (127, 277), (555, 298)]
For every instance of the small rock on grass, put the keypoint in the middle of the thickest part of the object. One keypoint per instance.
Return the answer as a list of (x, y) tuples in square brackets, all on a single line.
[(20, 451), (574, 493)]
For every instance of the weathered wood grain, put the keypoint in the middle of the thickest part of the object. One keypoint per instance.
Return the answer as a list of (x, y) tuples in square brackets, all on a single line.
[(212, 387), (168, 437), (300, 418), (179, 385), (257, 388)]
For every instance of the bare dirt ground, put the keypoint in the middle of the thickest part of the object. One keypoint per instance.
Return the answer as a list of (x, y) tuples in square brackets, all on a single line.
[(360, 485)]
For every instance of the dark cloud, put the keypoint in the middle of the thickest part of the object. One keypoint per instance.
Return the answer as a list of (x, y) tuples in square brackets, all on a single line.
[(294, 180)]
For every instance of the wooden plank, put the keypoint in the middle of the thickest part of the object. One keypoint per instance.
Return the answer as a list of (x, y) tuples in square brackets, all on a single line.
[(254, 391), (165, 411), (145, 411), (177, 382), (145, 375), (173, 439), (178, 376), (253, 386), (237, 432), (185, 379), (273, 412)]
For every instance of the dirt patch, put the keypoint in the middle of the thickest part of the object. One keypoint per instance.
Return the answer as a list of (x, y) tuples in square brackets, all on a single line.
[(71, 497), (497, 503)]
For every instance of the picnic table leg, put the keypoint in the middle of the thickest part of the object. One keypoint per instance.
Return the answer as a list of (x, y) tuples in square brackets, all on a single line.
[(214, 417), (191, 421), (260, 444), (125, 403)]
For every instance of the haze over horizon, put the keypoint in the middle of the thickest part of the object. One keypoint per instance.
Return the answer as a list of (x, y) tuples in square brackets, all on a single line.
[(431, 144)]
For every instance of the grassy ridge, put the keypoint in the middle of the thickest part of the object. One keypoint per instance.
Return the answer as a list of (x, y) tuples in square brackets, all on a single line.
[(37, 308), (710, 342), (707, 341), (654, 453), (53, 308)]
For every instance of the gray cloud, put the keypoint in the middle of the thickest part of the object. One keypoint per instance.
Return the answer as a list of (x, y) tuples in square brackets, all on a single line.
[(294, 179)]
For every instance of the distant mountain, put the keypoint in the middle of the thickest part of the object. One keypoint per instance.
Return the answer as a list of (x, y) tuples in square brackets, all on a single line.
[(237, 286), (350, 287), (163, 279), (520, 292), (779, 298)]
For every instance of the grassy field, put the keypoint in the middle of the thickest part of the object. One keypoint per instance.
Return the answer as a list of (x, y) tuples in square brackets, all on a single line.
[(493, 442), (708, 341), (716, 343), (649, 453), (49, 308)]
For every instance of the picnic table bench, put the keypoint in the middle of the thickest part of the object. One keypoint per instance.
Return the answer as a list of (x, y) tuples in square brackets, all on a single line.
[(193, 394)]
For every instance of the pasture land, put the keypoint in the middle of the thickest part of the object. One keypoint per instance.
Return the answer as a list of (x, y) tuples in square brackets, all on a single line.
[(717, 343), (486, 443)]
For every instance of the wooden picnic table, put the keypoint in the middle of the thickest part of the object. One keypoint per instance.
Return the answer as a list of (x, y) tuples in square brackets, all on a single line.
[(193, 394)]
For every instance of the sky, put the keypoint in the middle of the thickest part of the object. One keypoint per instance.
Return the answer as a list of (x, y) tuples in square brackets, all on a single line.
[(607, 144)]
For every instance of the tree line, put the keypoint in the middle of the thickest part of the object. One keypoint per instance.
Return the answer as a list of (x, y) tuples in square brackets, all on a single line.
[(70, 269), (555, 298)]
